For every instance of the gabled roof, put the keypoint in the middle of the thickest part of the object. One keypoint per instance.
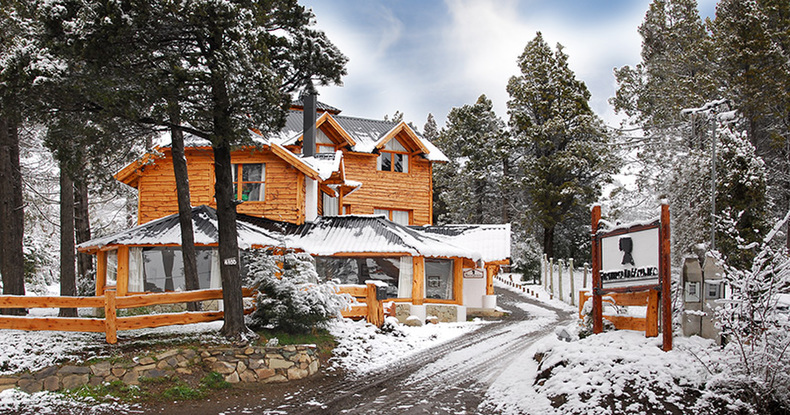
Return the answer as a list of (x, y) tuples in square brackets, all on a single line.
[(368, 135), (167, 231), (492, 241)]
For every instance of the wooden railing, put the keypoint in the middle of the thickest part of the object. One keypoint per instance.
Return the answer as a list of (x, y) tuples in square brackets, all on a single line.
[(111, 323), (367, 305), (647, 324)]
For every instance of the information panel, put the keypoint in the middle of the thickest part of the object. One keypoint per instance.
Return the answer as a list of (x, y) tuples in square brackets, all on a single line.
[(630, 259)]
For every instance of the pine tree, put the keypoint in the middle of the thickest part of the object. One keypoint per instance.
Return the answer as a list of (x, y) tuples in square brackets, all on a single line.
[(469, 185), (240, 62), (567, 159), (752, 40)]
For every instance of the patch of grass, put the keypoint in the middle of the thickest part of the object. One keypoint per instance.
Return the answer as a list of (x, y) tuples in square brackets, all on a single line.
[(182, 392), (157, 381), (214, 380), (320, 337), (106, 392)]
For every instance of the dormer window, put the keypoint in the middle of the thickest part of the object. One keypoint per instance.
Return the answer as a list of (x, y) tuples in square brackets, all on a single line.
[(393, 157), (249, 182)]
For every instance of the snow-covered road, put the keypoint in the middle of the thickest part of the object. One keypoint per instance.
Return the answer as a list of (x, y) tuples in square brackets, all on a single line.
[(450, 378)]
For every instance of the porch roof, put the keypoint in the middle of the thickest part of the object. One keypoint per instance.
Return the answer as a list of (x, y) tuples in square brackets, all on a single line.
[(491, 240)]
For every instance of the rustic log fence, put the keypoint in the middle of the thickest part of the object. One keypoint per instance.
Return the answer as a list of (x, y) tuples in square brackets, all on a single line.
[(111, 323), (368, 307), (648, 324)]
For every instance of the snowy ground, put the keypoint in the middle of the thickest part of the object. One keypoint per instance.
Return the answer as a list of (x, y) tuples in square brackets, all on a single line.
[(550, 377)]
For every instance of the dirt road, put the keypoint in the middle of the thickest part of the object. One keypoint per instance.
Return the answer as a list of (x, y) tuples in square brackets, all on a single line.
[(451, 378)]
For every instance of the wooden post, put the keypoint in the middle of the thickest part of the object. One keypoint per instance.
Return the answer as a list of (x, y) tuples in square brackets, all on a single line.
[(490, 271), (651, 318), (597, 308), (458, 280), (560, 264), (664, 272), (110, 322), (101, 272), (122, 281), (544, 281), (375, 314), (551, 276), (570, 271), (584, 281), (418, 281)]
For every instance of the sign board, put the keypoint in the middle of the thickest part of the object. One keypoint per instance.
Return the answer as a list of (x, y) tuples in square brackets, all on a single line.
[(630, 259), (473, 273)]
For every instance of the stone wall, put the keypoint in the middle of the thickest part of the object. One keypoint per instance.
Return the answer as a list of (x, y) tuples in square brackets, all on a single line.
[(446, 313), (250, 364)]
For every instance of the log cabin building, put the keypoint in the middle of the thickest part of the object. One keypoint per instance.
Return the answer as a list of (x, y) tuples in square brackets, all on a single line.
[(354, 193)]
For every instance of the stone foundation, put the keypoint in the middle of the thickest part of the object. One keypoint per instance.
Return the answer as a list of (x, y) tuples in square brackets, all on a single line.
[(250, 364), (446, 313)]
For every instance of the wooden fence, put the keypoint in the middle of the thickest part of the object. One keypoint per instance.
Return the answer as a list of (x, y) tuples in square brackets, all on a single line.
[(648, 324), (368, 306), (111, 303)]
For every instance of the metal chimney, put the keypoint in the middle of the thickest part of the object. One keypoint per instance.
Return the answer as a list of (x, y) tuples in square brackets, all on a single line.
[(309, 103)]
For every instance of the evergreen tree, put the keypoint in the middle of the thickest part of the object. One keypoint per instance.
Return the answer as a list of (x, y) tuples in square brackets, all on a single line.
[(752, 40), (475, 140), (240, 62), (566, 157)]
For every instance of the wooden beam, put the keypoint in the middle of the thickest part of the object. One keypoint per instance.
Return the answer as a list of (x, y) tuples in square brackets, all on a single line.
[(651, 321), (160, 320), (101, 272), (122, 278), (92, 325), (21, 301), (418, 280), (110, 317), (375, 315), (596, 273), (149, 299), (490, 272), (295, 161), (665, 278), (357, 291), (458, 280)]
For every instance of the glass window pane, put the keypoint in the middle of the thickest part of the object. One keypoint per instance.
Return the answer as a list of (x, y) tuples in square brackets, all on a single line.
[(386, 161), (394, 145), (405, 163), (384, 212), (252, 172), (112, 267), (398, 162), (439, 279), (252, 192), (400, 217)]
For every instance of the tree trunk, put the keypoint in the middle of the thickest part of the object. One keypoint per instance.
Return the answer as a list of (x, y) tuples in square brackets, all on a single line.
[(184, 205), (480, 195), (68, 277), (82, 227), (548, 241), (505, 193), (12, 214), (234, 326)]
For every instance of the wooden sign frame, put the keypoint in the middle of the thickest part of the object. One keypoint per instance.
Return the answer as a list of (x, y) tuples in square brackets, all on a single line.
[(662, 288)]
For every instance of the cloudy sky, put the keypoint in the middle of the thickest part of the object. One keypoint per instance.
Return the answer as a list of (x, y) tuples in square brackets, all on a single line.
[(428, 56)]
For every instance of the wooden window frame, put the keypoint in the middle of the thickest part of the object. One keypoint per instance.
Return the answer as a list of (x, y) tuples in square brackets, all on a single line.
[(391, 210), (392, 165), (238, 182)]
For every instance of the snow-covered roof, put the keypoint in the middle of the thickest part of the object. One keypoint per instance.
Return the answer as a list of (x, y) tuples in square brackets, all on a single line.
[(167, 231), (491, 241), (367, 133), (327, 235), (325, 164), (330, 235)]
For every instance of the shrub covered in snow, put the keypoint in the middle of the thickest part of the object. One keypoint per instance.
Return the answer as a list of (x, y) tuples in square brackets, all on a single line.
[(757, 368), (291, 299)]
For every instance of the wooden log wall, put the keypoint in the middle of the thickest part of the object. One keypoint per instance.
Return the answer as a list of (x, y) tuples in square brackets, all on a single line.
[(391, 190), (157, 187)]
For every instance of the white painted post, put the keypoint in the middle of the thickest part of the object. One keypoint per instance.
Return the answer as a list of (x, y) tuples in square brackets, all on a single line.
[(573, 289), (544, 277), (551, 276), (560, 264)]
